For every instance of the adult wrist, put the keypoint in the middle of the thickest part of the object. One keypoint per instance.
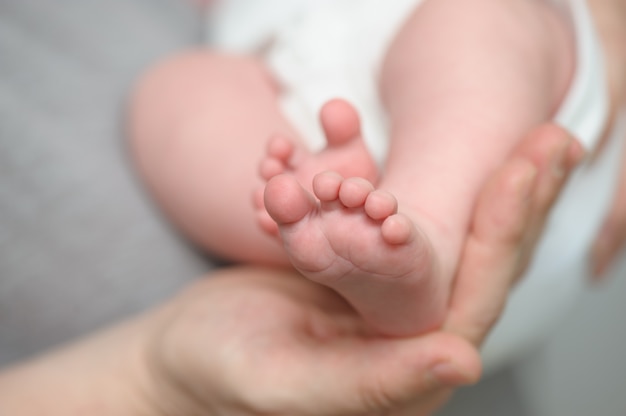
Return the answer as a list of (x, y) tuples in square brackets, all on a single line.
[(100, 375), (155, 378)]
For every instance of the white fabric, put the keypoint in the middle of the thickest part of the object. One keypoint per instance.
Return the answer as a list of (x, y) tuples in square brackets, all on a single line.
[(320, 49), (327, 48)]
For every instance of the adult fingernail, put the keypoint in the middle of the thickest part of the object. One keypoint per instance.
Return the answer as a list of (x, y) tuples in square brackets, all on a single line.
[(449, 375), (559, 160), (575, 154)]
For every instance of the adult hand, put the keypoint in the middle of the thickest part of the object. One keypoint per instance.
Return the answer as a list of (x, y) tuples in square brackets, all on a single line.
[(610, 19), (258, 341), (508, 220), (252, 341)]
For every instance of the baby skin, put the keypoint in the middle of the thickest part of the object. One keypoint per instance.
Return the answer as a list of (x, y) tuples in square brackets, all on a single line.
[(347, 235), (391, 247), (345, 153), (461, 84)]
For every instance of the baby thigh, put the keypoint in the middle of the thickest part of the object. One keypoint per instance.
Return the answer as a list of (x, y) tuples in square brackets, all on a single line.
[(198, 124)]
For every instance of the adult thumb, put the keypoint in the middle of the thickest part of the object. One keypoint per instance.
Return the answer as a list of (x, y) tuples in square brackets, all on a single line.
[(379, 375)]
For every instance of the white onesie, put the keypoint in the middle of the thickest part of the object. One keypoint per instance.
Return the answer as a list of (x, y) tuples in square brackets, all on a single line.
[(321, 49)]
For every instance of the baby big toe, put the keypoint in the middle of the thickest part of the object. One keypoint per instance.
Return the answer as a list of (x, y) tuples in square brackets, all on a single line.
[(286, 201)]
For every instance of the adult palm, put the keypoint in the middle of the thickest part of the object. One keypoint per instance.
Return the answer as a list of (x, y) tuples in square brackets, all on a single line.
[(253, 341)]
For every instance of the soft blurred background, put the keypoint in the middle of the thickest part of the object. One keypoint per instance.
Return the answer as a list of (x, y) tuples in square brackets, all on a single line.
[(82, 246)]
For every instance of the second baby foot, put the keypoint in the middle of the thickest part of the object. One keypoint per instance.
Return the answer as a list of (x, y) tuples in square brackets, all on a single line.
[(345, 153), (350, 237)]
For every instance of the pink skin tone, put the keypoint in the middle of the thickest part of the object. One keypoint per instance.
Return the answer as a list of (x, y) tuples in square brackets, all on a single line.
[(362, 247), (345, 153), (339, 232), (202, 113), (396, 268)]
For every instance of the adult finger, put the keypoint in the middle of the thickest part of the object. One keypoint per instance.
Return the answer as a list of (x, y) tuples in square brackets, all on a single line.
[(555, 152), (508, 219), (376, 376), (609, 18), (612, 235), (491, 254)]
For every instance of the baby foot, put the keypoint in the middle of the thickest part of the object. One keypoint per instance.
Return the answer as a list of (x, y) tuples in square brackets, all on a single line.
[(350, 237), (345, 153)]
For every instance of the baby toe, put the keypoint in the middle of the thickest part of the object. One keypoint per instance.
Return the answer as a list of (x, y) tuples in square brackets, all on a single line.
[(326, 185), (354, 192), (398, 229), (380, 205)]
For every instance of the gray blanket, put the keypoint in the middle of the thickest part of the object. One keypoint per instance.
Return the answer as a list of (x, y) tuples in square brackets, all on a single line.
[(80, 243)]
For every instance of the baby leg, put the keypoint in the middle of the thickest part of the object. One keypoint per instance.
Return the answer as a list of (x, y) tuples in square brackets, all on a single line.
[(199, 124), (480, 74), (463, 83)]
